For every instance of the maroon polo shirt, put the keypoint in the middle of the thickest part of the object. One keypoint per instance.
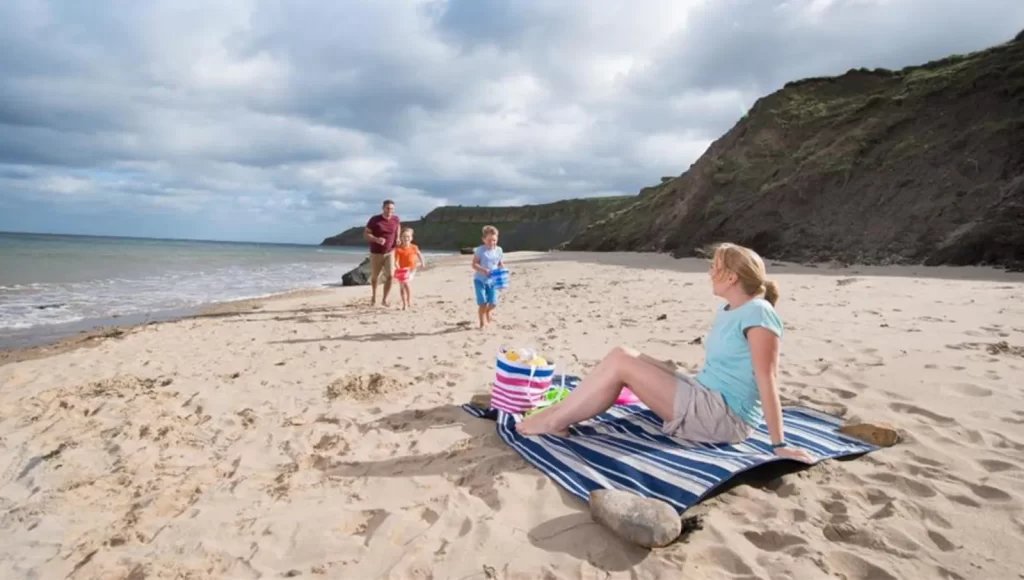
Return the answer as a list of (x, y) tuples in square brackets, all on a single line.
[(384, 228)]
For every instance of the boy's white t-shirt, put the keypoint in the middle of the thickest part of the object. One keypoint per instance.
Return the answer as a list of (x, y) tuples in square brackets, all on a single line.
[(488, 258)]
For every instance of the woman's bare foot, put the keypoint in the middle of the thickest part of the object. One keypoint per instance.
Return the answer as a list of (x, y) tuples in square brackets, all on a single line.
[(540, 424)]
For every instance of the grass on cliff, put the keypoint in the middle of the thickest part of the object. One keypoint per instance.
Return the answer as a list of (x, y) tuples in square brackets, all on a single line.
[(816, 99)]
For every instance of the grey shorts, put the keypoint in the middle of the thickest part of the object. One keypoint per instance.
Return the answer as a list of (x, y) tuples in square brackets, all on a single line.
[(701, 415)]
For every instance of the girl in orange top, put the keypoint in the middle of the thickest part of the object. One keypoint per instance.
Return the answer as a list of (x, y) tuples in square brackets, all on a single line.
[(407, 255)]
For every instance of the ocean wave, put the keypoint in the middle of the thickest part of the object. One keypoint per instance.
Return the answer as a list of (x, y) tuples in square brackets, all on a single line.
[(31, 305)]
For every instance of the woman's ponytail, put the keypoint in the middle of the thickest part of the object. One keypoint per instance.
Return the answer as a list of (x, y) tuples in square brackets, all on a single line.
[(771, 292)]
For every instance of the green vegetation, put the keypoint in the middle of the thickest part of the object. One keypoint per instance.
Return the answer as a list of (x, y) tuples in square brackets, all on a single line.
[(528, 227)]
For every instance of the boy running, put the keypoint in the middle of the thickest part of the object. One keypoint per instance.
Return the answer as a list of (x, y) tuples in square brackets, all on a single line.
[(486, 258)]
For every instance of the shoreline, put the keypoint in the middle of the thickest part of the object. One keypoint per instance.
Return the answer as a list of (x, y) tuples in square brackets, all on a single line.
[(55, 339), (49, 341)]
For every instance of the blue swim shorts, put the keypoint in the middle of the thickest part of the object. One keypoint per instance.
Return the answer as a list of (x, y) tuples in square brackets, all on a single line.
[(485, 293)]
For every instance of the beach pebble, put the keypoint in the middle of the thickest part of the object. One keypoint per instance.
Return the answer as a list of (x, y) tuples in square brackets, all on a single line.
[(643, 521), (877, 434)]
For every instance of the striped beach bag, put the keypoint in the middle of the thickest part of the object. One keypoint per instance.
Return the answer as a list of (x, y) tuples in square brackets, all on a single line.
[(519, 386), (499, 278)]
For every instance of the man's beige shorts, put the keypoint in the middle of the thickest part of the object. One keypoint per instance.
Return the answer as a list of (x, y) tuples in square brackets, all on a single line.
[(700, 415), (382, 264)]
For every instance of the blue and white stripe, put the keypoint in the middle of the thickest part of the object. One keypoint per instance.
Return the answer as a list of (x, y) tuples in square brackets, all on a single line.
[(625, 449)]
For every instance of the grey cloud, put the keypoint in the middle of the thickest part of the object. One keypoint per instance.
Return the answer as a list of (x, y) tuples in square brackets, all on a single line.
[(308, 113), (752, 44)]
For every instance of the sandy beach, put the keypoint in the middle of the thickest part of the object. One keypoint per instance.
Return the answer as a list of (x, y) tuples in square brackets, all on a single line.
[(313, 436)]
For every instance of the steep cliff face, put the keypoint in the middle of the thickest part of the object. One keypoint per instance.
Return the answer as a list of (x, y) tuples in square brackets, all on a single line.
[(528, 227), (922, 165)]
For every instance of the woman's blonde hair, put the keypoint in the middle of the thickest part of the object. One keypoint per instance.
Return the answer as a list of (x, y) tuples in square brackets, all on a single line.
[(749, 268)]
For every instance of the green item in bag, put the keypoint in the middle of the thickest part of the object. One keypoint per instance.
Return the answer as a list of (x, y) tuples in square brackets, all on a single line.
[(551, 396)]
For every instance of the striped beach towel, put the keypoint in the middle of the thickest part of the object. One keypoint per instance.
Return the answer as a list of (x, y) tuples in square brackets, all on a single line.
[(624, 448)]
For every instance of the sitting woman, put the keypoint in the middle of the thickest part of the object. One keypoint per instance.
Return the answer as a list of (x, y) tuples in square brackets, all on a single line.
[(734, 391)]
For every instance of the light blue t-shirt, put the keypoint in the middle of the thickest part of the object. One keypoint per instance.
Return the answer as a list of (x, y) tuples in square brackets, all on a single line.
[(728, 368), (488, 259)]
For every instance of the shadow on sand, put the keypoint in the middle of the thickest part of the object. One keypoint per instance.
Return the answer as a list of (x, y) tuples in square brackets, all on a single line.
[(377, 336)]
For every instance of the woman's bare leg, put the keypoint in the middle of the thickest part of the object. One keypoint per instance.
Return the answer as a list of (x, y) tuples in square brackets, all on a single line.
[(654, 385)]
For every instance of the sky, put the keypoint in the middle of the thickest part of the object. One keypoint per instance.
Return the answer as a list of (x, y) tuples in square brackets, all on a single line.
[(291, 120)]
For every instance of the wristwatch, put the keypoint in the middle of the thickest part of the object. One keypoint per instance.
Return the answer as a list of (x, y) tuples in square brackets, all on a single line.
[(778, 445)]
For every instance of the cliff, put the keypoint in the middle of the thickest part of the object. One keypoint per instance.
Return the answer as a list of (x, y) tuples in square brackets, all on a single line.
[(921, 165), (528, 227)]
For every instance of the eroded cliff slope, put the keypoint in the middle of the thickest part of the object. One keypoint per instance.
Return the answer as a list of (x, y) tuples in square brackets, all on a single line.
[(921, 165)]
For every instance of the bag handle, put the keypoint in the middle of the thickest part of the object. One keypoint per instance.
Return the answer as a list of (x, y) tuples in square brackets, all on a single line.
[(529, 383)]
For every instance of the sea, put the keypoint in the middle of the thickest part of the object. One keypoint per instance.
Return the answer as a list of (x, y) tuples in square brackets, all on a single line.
[(53, 286)]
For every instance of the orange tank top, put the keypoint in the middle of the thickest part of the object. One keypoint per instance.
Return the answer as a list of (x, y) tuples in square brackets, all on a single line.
[(406, 256)]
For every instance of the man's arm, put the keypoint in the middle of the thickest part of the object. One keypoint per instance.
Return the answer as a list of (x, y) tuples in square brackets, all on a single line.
[(368, 234)]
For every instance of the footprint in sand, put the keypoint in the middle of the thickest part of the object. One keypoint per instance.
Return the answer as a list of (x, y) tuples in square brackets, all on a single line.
[(1003, 442), (941, 542), (987, 492), (963, 500), (967, 390), (910, 486), (997, 466), (926, 461), (853, 567), (725, 561), (841, 393), (915, 410), (773, 541)]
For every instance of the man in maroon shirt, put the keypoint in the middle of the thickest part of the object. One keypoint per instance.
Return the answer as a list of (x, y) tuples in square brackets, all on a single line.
[(382, 234)]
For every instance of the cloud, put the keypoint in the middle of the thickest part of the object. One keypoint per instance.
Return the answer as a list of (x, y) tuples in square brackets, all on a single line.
[(289, 121)]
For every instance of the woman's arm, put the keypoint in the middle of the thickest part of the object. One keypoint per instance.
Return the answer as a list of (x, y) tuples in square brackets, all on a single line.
[(764, 353)]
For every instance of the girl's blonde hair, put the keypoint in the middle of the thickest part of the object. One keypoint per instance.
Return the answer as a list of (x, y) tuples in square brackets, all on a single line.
[(749, 268), (410, 230), (488, 230)]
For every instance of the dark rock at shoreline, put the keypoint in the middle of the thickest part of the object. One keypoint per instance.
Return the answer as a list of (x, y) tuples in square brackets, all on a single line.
[(466, 251), (358, 276)]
